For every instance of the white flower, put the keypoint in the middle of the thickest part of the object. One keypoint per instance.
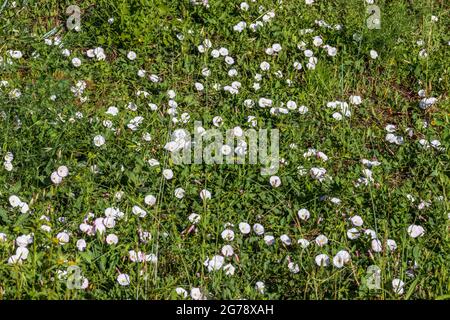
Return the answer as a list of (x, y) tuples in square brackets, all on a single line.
[(322, 260), (56, 178), (141, 73), (194, 218), (321, 240), (260, 287), (318, 173), (391, 244), (293, 267), (215, 263), (16, 54), (14, 259), (244, 6), (229, 269), (303, 243), (341, 258), (217, 121), (356, 100), (240, 26), (357, 221), (291, 105), (398, 285), (427, 102), (196, 294), (109, 222), (150, 200), (215, 53), (415, 231), (62, 171), (286, 240), (3, 236), (223, 52), (227, 250), (371, 233), (46, 228), (112, 111), (131, 55), (303, 109), (258, 229), (139, 211), (264, 66), (376, 245), (205, 194), (22, 253), (353, 233), (244, 227), (332, 51), (303, 214), (308, 53), (168, 174), (63, 238), (263, 102), (14, 201), (199, 86), (269, 240), (112, 239), (81, 244), (181, 292), (390, 128), (228, 235), (99, 140), (179, 193), (229, 60), (373, 54), (123, 279), (76, 62), (24, 240), (275, 181)]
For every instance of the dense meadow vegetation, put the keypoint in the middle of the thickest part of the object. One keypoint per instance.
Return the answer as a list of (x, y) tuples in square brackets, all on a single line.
[(93, 205)]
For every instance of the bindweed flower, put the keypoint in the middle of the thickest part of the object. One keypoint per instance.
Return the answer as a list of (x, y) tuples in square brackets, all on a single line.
[(244, 227), (286, 240), (260, 287), (357, 221), (303, 243), (321, 240), (112, 239), (341, 258), (303, 214), (81, 244), (131, 55), (227, 235), (181, 292), (397, 286), (415, 231), (150, 200), (63, 238), (123, 279), (196, 294), (99, 140), (275, 181), (205, 194), (258, 229), (322, 260), (269, 240), (376, 245)]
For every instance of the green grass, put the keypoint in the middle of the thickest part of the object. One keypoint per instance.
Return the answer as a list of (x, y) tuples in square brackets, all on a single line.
[(49, 135)]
